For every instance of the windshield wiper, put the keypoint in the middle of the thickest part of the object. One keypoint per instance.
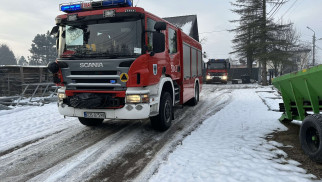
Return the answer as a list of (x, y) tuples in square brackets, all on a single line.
[(81, 51), (122, 55), (111, 56), (85, 53)]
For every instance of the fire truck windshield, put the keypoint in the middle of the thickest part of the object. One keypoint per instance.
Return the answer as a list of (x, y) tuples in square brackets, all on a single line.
[(102, 39), (214, 66)]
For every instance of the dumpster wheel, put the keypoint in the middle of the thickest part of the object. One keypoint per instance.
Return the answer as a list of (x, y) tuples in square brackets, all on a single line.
[(310, 137)]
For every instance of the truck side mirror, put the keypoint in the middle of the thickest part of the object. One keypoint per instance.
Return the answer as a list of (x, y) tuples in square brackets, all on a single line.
[(54, 31), (158, 42), (160, 26)]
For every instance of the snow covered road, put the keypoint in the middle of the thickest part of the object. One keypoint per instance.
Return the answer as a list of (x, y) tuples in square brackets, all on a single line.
[(231, 146), (38, 144), (221, 139)]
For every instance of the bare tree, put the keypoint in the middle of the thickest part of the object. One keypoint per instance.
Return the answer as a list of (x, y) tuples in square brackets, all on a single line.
[(256, 34), (283, 51)]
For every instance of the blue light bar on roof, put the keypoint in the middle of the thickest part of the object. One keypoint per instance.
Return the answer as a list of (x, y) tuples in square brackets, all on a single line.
[(72, 7), (117, 2), (89, 5)]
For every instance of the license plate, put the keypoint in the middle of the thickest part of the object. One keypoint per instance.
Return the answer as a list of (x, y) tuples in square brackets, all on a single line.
[(96, 115)]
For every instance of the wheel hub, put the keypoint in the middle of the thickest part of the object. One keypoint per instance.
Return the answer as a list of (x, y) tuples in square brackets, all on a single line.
[(313, 140)]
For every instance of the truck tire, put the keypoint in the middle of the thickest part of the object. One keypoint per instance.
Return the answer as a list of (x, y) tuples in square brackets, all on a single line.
[(194, 101), (311, 137), (90, 121), (162, 122)]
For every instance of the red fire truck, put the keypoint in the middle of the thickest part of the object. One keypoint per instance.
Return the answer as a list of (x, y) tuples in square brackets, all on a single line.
[(116, 61), (217, 70)]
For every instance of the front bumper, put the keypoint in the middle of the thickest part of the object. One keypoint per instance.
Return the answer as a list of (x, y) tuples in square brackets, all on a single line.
[(129, 111), (216, 79), (132, 111)]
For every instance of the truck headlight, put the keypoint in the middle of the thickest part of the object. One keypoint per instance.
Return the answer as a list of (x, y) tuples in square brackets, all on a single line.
[(145, 98), (62, 96), (135, 99), (208, 77), (224, 77)]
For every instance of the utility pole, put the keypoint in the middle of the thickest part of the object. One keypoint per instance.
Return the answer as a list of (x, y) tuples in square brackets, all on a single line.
[(314, 40), (264, 47)]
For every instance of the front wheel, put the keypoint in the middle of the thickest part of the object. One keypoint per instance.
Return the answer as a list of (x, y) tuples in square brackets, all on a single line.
[(162, 122), (90, 121), (311, 137)]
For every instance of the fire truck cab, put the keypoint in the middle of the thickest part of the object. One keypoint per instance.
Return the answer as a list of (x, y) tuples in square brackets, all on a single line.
[(217, 70), (116, 61)]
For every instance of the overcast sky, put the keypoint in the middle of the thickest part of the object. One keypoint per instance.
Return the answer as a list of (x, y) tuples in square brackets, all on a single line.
[(21, 20)]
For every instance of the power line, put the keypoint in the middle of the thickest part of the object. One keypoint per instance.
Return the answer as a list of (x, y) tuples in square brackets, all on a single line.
[(273, 7), (307, 35), (137, 3), (216, 31), (277, 9), (290, 8), (279, 5), (296, 7), (306, 41)]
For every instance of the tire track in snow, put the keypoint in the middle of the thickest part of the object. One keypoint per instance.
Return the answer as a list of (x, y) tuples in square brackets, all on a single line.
[(151, 145), (119, 150), (34, 159), (5, 152), (83, 165)]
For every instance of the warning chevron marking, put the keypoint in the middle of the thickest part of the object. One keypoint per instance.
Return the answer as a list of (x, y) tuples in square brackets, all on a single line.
[(124, 77)]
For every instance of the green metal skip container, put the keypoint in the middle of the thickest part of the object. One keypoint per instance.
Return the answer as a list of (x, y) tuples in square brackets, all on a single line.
[(302, 97)]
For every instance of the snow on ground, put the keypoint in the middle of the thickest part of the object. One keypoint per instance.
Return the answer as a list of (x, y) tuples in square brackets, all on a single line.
[(270, 97), (24, 124), (231, 146)]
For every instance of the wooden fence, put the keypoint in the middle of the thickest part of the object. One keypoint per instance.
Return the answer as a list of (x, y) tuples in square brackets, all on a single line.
[(14, 79)]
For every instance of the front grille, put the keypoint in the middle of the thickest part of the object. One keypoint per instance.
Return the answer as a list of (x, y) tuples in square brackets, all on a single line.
[(94, 101), (106, 77), (93, 72), (217, 74), (96, 88), (93, 81)]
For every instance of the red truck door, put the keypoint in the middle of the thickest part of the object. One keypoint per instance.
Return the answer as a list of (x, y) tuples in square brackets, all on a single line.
[(174, 53)]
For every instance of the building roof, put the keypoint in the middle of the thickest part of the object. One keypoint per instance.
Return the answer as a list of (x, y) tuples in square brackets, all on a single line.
[(188, 24)]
